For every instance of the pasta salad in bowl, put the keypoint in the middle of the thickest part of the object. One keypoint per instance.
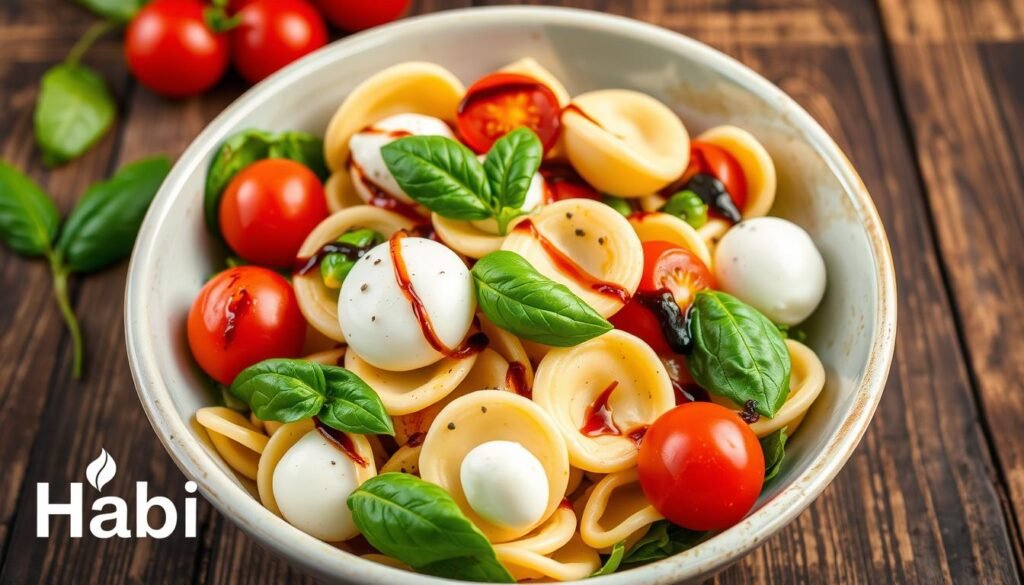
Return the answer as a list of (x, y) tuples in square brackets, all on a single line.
[(507, 327)]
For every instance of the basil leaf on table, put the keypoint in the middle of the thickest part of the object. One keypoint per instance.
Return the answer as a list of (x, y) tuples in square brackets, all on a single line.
[(510, 166), (614, 560), (28, 217), (237, 152), (102, 228), (663, 540), (118, 10), (737, 352), (517, 298), (774, 448), (287, 390), (73, 111), (441, 174), (419, 523), (303, 148)]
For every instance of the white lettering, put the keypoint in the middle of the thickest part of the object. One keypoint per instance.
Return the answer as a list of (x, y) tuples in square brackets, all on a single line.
[(44, 510), (143, 505), (119, 517)]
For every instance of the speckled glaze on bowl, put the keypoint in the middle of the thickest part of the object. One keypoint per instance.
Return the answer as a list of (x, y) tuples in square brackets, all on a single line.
[(853, 331)]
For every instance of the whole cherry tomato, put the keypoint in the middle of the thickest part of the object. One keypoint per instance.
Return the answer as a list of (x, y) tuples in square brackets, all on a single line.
[(268, 210), (171, 50), (701, 466), (272, 34), (242, 316), (501, 102), (707, 158), (356, 15), (666, 267)]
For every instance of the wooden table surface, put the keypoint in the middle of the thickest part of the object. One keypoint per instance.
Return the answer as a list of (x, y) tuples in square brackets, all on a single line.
[(925, 96)]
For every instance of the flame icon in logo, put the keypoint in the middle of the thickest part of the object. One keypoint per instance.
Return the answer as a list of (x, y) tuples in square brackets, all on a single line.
[(101, 470)]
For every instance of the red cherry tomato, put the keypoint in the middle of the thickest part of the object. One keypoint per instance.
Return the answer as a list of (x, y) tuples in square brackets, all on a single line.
[(272, 34), (638, 320), (701, 466), (268, 210), (563, 182), (716, 161), (244, 315), (356, 15), (171, 50), (501, 102)]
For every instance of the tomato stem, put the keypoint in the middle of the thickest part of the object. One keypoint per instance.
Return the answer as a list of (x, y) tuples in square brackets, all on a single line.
[(60, 291), (91, 35)]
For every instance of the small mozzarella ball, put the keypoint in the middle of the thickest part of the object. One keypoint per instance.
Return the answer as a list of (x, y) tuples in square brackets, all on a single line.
[(534, 199), (772, 265), (312, 483), (505, 484), (377, 318), (365, 150)]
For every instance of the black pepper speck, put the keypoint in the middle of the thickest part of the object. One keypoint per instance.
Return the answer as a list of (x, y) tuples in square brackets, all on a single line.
[(364, 287), (600, 240), (451, 426), (580, 232)]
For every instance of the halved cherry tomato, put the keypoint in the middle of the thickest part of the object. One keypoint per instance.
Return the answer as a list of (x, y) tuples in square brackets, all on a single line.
[(272, 34), (501, 102), (268, 210), (709, 159), (701, 466), (356, 15), (666, 267), (242, 316), (563, 182)]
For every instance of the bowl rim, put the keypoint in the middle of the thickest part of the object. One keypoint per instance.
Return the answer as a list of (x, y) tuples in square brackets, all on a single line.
[(320, 558)]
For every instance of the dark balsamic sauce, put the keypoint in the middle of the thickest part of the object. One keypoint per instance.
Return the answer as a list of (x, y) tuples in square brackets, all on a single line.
[(675, 324), (416, 439), (341, 441), (569, 267), (237, 306), (305, 264), (713, 193), (384, 200), (598, 418), (749, 413), (515, 380)]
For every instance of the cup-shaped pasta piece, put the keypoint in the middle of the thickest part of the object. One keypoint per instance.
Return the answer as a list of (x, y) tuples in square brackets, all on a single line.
[(483, 417), (806, 380), (757, 165), (616, 510), (712, 232), (465, 238), (318, 302), (414, 87), (519, 373), (490, 371), (238, 441), (573, 562), (603, 395), (624, 142), (585, 245), (354, 461), (669, 228), (340, 192), (528, 557), (405, 460)]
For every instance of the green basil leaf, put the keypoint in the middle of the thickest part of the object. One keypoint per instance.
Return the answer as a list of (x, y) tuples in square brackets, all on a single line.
[(28, 217), (738, 353), (235, 154), (102, 228), (517, 298), (510, 166), (73, 111), (419, 523), (663, 540), (282, 390), (352, 406), (119, 10), (303, 148), (441, 174), (774, 448), (612, 564)]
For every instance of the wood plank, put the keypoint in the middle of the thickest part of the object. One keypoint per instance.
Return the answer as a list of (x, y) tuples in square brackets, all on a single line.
[(958, 65)]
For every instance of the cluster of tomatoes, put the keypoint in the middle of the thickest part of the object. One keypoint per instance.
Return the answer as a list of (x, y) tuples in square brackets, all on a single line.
[(180, 48)]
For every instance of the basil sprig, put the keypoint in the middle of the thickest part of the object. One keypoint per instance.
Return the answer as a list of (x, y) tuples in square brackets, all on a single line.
[(446, 177), (100, 231), (286, 390), (116, 10), (614, 560), (774, 448), (73, 111), (517, 298), (419, 523), (737, 352), (249, 146), (663, 540)]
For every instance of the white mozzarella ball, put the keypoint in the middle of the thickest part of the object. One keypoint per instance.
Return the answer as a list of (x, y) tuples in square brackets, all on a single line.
[(377, 318), (505, 484), (312, 483), (365, 150), (534, 199), (772, 265)]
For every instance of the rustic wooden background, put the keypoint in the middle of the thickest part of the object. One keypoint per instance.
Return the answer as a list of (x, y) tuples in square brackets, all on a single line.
[(925, 96)]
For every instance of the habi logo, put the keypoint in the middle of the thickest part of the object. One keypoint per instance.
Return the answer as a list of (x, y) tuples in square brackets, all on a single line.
[(112, 518)]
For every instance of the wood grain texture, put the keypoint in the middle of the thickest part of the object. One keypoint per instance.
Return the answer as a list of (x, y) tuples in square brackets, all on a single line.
[(958, 66), (918, 502)]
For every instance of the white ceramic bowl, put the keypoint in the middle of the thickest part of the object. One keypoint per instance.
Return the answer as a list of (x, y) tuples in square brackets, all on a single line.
[(853, 331)]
